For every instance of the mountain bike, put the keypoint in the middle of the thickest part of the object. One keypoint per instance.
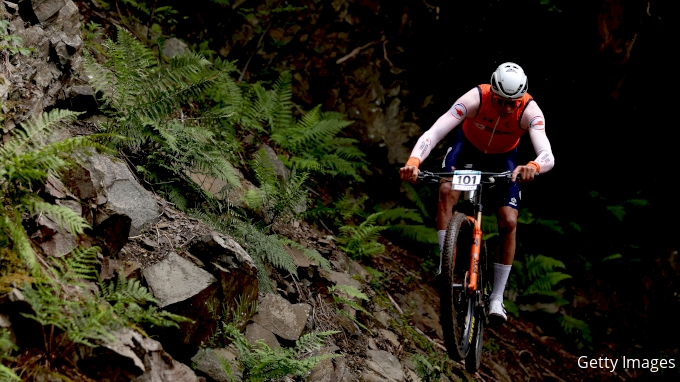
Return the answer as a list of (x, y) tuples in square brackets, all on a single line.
[(464, 287)]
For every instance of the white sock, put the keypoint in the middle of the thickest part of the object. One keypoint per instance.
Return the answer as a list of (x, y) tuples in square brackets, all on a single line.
[(500, 278), (441, 236)]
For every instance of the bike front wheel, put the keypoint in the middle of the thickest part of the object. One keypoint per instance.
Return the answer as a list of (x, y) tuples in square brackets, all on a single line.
[(457, 307)]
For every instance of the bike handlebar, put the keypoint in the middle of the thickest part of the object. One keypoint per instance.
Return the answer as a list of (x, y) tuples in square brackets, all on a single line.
[(436, 177)]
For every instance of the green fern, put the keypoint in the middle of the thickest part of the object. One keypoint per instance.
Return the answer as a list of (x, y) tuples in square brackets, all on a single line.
[(263, 248), (348, 296), (427, 369), (28, 158), (6, 348), (577, 328), (277, 200), (361, 241), (150, 106), (262, 363), (537, 274), (311, 254)]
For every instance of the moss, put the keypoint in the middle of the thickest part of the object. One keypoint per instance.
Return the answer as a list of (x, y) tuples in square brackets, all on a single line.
[(12, 270)]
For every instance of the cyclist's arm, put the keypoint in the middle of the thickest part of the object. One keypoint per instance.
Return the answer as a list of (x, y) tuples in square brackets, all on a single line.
[(468, 104), (534, 120)]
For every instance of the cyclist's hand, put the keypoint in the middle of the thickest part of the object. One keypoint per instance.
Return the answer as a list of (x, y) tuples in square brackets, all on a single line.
[(526, 173), (408, 173)]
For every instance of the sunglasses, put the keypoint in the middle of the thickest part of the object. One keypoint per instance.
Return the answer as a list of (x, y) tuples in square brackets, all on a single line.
[(504, 103)]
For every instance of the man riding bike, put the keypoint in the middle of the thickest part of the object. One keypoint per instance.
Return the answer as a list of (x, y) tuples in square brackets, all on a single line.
[(494, 117)]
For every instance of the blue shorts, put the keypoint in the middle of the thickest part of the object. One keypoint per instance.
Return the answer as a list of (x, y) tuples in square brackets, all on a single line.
[(462, 153)]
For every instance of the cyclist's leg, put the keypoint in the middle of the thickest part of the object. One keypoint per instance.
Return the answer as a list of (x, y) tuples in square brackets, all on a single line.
[(507, 226), (448, 197)]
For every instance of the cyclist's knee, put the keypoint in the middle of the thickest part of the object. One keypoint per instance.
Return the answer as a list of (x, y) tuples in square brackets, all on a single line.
[(507, 223), (446, 193)]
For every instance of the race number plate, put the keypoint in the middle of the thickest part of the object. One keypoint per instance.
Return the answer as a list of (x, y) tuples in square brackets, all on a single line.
[(466, 180)]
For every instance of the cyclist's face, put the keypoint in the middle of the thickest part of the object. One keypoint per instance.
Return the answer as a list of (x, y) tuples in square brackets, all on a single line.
[(504, 105)]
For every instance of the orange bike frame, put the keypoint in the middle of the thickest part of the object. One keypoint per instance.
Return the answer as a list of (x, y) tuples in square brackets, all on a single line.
[(475, 250)]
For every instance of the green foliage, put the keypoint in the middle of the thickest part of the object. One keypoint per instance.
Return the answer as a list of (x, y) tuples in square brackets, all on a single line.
[(63, 301), (146, 103), (262, 247), (347, 296), (362, 241), (537, 274), (428, 369), (311, 254), (28, 158), (6, 348), (277, 200), (311, 144), (262, 363), (11, 44), (577, 328)]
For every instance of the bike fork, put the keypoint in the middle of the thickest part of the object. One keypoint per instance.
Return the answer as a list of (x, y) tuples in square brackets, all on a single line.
[(475, 251)]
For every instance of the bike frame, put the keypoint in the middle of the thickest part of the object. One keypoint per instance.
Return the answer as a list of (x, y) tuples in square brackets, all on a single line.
[(471, 200)]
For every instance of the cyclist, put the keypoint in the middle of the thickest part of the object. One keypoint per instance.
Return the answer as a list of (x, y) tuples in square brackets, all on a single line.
[(494, 117)]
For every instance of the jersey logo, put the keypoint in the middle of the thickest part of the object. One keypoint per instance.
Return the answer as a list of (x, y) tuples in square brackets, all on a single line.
[(481, 127), (459, 111), (537, 123)]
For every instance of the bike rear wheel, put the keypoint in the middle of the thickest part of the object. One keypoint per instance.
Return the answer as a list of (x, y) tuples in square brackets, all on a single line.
[(457, 307)]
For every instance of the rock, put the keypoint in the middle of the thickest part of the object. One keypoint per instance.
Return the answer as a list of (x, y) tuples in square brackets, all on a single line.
[(133, 357), (390, 336), (174, 46), (350, 326), (212, 362), (385, 364), (176, 279), (230, 264), (256, 332), (327, 370), (282, 318), (341, 278), (382, 319), (52, 29), (221, 189), (357, 269), (279, 168), (53, 239), (183, 288), (424, 317), (124, 194)]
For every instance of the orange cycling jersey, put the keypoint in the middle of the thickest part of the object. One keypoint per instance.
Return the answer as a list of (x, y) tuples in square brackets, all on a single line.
[(492, 132)]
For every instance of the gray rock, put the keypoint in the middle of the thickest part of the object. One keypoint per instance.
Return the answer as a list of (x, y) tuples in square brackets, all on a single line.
[(53, 239), (279, 168), (282, 318), (256, 332), (230, 264), (133, 357), (342, 278), (176, 279), (390, 336), (44, 9), (385, 364), (174, 46), (382, 319), (212, 362), (124, 194)]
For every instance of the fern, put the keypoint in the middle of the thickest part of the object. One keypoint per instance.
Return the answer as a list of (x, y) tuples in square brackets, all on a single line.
[(6, 348), (537, 274), (28, 158), (576, 327), (311, 254), (361, 241), (427, 369), (347, 296), (261, 363), (263, 248), (277, 199), (146, 103)]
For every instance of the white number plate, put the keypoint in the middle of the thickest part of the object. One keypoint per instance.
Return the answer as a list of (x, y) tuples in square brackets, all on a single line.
[(466, 180)]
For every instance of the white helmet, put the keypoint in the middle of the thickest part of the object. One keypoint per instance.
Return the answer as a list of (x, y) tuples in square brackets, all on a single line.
[(509, 81)]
